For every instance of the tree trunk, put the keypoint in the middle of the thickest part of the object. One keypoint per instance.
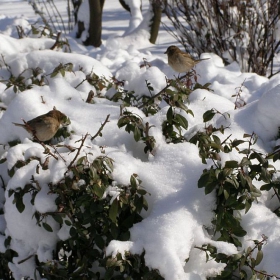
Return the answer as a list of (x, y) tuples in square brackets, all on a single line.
[(95, 24), (76, 5), (81, 28), (155, 22)]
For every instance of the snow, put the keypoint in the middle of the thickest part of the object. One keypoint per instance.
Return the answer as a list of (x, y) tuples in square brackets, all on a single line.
[(178, 211)]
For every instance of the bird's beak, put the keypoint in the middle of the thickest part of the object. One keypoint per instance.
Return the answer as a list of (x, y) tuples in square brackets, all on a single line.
[(166, 52)]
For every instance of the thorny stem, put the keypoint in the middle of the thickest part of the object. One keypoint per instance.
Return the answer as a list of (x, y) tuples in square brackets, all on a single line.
[(56, 41), (264, 239), (84, 139), (263, 273), (78, 151), (226, 139), (27, 258), (36, 183), (101, 128), (80, 83), (47, 150), (58, 153), (239, 102)]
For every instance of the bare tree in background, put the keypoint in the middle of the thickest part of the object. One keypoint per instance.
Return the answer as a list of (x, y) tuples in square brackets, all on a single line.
[(94, 8), (95, 23), (76, 6), (156, 19)]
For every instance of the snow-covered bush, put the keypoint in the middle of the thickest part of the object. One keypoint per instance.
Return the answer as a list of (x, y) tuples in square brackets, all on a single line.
[(155, 177), (76, 213)]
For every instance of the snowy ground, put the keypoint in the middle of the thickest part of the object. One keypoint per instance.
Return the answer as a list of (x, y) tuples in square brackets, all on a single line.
[(178, 210)]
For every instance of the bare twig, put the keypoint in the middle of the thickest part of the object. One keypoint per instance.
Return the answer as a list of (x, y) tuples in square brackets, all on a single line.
[(79, 150), (54, 8), (101, 128), (80, 83), (56, 41), (26, 259)]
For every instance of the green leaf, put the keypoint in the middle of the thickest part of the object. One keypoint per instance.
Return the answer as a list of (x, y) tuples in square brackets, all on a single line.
[(2, 160), (231, 164), (7, 241), (236, 142), (9, 255), (227, 172), (226, 194), (58, 218), (237, 257), (210, 187), (19, 203), (245, 161), (266, 187), (242, 179), (133, 182), (208, 115), (122, 122), (225, 274), (98, 190), (113, 211), (247, 206), (80, 160), (73, 231), (233, 182), (62, 71), (137, 134), (47, 227), (258, 156), (245, 135), (141, 191), (67, 222), (215, 145), (217, 140), (202, 182), (236, 241), (99, 241), (182, 121), (109, 270), (169, 115), (259, 257), (238, 231), (190, 112)]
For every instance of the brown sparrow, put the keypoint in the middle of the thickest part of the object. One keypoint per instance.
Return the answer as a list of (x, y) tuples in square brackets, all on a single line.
[(44, 127), (180, 61)]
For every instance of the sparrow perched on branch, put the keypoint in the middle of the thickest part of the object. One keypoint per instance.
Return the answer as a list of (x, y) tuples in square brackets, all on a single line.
[(44, 127), (180, 61)]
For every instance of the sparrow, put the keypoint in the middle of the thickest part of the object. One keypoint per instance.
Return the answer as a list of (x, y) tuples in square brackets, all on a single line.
[(181, 61), (44, 127)]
